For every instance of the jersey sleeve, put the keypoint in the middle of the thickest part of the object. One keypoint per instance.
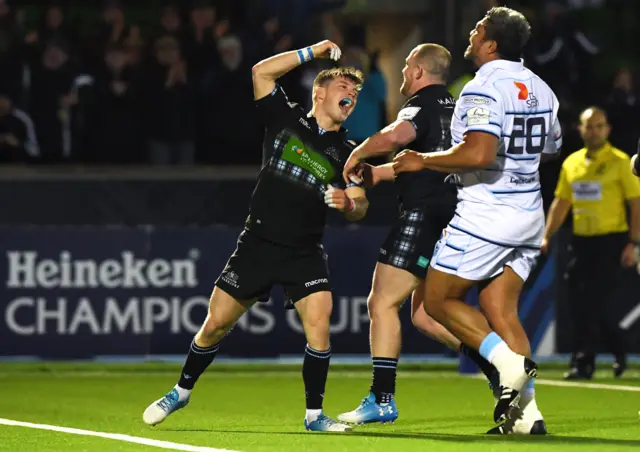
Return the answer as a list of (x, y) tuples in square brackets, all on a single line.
[(630, 183), (563, 189), (417, 115), (274, 105), (480, 109), (554, 139)]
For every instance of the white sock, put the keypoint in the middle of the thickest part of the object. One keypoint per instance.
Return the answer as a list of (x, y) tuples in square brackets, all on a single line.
[(312, 415), (504, 358), (182, 393)]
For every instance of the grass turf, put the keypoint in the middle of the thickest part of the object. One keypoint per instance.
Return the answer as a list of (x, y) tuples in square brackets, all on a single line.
[(260, 408)]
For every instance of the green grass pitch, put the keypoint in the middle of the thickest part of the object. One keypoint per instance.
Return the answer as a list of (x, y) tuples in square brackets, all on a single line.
[(260, 409)]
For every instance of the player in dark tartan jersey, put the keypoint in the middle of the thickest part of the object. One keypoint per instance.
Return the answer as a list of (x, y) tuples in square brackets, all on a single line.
[(304, 154)]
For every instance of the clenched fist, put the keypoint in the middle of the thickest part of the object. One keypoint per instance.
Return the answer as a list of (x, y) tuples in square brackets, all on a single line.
[(408, 161), (338, 199), (326, 49)]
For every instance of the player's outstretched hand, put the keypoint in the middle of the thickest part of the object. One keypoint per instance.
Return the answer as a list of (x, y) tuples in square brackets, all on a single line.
[(337, 199), (326, 49), (351, 167), (408, 161)]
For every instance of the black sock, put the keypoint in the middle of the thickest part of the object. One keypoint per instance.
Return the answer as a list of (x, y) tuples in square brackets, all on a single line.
[(384, 379), (485, 366), (197, 361), (315, 369)]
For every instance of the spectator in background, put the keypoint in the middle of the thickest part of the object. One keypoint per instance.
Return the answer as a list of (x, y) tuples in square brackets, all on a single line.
[(274, 39), (114, 30), (116, 118), (562, 53), (54, 26), (231, 98), (11, 58), (199, 37), (369, 116), (595, 182), (169, 102), (18, 142), (171, 22), (52, 99), (624, 112)]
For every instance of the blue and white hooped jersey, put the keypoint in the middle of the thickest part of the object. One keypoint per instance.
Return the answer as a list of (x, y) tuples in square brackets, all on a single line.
[(502, 202)]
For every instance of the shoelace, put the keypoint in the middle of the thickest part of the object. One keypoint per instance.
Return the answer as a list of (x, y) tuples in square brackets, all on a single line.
[(366, 402), (167, 402), (323, 419)]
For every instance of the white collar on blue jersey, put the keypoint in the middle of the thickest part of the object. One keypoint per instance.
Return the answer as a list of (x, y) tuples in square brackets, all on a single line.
[(513, 66)]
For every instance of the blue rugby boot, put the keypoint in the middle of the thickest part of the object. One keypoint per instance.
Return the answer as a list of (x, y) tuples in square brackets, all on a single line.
[(369, 411), (159, 410), (324, 423)]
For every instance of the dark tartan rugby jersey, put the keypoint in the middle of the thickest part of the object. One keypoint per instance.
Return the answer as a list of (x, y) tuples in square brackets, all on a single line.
[(429, 111), (299, 160)]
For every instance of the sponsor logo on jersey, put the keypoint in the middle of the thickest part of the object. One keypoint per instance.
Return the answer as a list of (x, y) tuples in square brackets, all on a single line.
[(304, 123), (295, 152), (524, 94), (446, 101), (476, 100), (408, 113), (478, 116)]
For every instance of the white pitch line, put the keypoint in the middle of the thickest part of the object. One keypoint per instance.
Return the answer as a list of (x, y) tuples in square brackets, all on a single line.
[(575, 384), (115, 436)]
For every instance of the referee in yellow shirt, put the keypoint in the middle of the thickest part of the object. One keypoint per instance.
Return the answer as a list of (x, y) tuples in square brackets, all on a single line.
[(595, 182)]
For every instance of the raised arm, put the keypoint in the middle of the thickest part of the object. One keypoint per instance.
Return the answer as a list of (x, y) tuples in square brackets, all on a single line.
[(266, 72)]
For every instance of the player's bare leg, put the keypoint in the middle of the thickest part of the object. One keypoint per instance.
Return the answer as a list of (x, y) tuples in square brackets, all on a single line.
[(428, 326), (390, 287), (444, 297), (499, 302), (224, 312), (315, 314)]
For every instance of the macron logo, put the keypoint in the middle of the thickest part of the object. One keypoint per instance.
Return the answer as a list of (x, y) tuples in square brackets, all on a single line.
[(316, 281)]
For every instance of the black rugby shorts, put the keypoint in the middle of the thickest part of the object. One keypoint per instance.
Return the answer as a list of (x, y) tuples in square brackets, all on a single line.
[(258, 264)]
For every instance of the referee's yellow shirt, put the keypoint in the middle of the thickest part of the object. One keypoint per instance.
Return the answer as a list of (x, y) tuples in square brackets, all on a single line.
[(597, 189)]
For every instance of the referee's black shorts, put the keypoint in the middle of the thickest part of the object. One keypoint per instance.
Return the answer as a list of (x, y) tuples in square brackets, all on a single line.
[(409, 246), (258, 264)]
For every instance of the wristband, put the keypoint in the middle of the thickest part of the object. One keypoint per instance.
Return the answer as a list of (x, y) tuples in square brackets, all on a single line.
[(305, 55)]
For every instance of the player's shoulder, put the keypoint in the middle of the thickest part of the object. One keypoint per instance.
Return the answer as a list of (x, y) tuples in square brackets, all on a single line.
[(279, 93), (479, 92)]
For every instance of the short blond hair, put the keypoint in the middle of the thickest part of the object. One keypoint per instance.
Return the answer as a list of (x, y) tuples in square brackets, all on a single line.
[(434, 59), (350, 73)]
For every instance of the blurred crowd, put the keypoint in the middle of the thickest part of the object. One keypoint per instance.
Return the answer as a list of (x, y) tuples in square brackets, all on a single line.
[(174, 91), (173, 85)]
